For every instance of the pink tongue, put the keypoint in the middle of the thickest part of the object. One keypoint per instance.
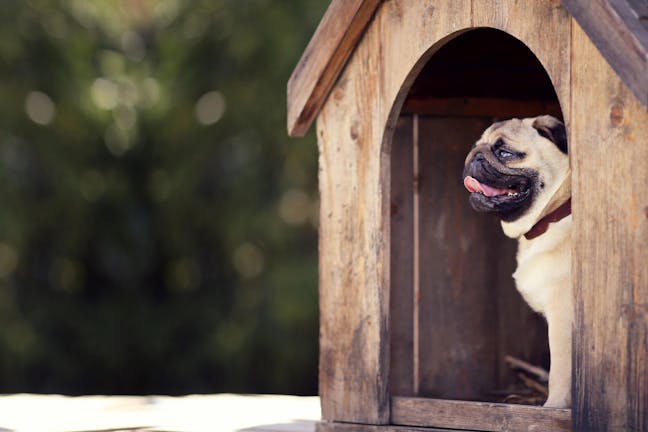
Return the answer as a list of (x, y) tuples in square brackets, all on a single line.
[(474, 186)]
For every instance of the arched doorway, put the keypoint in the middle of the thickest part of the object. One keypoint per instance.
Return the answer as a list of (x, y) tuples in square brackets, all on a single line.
[(454, 312)]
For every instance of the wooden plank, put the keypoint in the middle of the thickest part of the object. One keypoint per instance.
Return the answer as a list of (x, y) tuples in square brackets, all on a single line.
[(416, 257), (351, 427), (402, 233), (640, 8), (621, 37), (634, 14), (353, 248), (609, 153), (458, 251), (480, 416), (480, 107), (326, 54), (354, 137)]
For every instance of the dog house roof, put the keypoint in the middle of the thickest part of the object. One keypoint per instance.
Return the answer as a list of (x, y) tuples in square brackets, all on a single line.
[(618, 28)]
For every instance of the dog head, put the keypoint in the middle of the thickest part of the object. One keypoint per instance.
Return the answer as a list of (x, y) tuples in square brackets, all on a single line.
[(519, 171)]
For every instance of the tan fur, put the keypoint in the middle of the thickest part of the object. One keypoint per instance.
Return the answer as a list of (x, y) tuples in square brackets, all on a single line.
[(543, 274), (543, 277)]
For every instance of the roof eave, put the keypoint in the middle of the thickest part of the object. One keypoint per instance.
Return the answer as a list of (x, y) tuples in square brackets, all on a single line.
[(615, 28), (326, 54)]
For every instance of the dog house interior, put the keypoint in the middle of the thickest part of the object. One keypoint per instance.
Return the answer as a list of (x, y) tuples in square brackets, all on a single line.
[(455, 312)]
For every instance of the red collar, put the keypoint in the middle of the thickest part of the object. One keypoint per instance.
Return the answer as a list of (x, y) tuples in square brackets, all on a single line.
[(543, 224)]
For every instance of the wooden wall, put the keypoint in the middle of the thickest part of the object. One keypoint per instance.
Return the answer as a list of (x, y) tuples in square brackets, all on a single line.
[(608, 131), (354, 132), (609, 150)]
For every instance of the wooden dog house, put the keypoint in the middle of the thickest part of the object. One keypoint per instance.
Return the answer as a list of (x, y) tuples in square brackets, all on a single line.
[(417, 307)]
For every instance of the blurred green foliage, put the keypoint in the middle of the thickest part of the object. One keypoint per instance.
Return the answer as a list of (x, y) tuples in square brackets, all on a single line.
[(157, 226)]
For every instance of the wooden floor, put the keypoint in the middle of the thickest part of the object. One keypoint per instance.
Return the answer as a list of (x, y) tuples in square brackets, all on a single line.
[(196, 413)]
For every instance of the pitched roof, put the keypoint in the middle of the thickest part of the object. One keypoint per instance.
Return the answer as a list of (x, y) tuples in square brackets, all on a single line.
[(326, 54), (618, 28)]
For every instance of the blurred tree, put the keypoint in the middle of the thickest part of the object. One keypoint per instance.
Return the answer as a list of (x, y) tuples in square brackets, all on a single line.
[(157, 226)]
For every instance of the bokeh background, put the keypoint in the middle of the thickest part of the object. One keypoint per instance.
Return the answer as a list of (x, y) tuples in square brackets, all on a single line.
[(157, 226)]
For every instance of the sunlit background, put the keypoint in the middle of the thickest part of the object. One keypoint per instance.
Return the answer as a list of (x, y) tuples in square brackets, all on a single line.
[(157, 226)]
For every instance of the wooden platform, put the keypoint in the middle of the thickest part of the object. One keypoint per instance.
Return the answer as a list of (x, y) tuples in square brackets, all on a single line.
[(195, 413)]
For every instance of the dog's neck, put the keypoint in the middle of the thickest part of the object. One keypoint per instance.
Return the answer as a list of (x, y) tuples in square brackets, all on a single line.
[(543, 224), (526, 223)]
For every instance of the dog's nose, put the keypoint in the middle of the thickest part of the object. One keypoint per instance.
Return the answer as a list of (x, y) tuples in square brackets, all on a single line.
[(475, 156), (474, 164)]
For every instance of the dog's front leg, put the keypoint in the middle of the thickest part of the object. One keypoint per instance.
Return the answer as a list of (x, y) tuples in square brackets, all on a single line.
[(559, 321)]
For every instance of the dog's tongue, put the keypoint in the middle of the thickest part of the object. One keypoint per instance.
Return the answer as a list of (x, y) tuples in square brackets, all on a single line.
[(474, 186)]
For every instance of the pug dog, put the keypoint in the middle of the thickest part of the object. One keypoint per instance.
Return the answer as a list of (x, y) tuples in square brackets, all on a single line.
[(519, 171)]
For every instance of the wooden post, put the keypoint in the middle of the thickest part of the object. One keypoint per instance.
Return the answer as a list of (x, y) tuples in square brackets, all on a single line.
[(401, 374), (609, 148)]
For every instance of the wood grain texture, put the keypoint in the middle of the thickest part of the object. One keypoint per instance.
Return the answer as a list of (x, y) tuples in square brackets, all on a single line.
[(617, 29), (350, 427), (353, 248), (640, 8), (480, 416), (609, 148), (401, 375), (355, 129), (458, 250), (480, 107), (354, 138), (324, 57)]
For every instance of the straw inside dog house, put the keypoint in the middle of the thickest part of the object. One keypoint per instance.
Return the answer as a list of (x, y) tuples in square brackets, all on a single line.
[(417, 306)]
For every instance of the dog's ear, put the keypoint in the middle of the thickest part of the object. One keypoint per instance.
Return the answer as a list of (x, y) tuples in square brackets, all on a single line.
[(552, 129)]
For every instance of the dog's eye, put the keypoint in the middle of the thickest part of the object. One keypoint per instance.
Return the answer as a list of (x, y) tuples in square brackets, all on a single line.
[(503, 154)]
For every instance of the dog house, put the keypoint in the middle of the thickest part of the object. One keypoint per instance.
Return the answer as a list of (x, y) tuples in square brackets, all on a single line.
[(417, 305)]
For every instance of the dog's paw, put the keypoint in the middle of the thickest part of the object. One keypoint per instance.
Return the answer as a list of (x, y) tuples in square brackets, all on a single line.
[(558, 402)]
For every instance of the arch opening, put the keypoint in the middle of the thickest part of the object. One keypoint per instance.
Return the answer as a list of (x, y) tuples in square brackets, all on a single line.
[(455, 313)]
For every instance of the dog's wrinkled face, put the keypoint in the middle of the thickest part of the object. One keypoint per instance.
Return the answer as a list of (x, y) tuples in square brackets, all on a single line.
[(516, 167)]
